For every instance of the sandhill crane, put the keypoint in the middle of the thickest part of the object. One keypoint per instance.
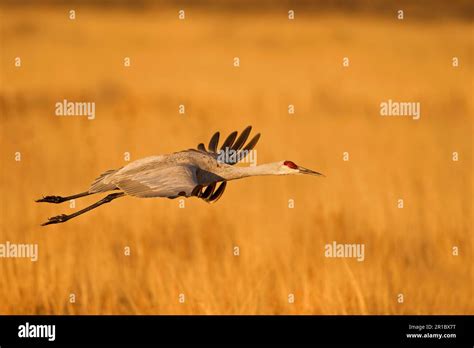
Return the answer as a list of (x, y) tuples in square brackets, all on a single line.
[(181, 174)]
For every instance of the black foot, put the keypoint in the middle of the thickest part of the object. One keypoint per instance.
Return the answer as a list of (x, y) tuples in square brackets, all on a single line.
[(51, 199), (56, 220)]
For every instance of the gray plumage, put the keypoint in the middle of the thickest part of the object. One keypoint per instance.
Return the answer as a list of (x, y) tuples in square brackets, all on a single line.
[(170, 176), (200, 172)]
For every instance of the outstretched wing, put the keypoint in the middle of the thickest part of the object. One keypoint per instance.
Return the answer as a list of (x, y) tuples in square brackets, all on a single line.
[(172, 182), (164, 176), (232, 151)]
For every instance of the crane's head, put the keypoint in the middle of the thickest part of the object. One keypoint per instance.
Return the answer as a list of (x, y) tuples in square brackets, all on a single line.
[(289, 167)]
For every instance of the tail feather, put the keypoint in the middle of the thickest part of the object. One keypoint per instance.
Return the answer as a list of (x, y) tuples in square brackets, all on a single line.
[(101, 183)]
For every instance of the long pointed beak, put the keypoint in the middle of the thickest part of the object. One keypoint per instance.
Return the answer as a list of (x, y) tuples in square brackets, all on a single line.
[(303, 170)]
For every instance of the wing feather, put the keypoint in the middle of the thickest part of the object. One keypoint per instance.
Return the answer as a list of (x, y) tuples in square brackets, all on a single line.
[(245, 151), (229, 141), (213, 142), (218, 193), (242, 138), (208, 191), (178, 180), (232, 144)]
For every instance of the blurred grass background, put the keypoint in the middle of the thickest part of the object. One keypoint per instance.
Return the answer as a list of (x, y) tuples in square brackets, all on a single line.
[(283, 62)]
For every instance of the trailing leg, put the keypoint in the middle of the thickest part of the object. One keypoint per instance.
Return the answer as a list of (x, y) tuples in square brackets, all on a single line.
[(59, 199), (63, 218)]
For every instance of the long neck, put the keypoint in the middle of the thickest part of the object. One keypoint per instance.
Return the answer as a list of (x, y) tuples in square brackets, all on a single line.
[(232, 173)]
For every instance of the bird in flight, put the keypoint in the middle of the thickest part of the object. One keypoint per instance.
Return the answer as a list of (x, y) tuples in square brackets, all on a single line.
[(201, 173)]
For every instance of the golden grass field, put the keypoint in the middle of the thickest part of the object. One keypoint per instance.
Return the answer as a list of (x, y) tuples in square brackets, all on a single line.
[(190, 250)]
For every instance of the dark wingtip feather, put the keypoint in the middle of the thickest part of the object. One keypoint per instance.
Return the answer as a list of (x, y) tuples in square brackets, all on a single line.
[(229, 141), (245, 151), (242, 138), (201, 147), (251, 144), (208, 191), (196, 191), (218, 193), (213, 142)]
